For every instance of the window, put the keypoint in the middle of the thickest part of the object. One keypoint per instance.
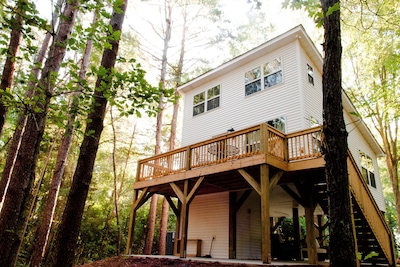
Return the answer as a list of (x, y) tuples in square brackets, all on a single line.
[(278, 123), (200, 100), (273, 72), (252, 81), (367, 169), (310, 73), (198, 103), (213, 98)]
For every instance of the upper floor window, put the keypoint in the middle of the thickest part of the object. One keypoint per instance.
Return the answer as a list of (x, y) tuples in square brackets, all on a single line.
[(211, 98), (278, 123), (367, 169), (273, 72), (252, 81), (310, 74)]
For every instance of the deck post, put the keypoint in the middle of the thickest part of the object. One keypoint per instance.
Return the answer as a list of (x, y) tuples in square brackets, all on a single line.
[(310, 235), (296, 229), (265, 222), (184, 220)]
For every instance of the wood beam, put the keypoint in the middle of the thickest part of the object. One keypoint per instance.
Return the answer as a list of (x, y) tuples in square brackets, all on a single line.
[(265, 223), (275, 179), (242, 199), (293, 194), (132, 221), (251, 180), (172, 205), (232, 224), (184, 220)]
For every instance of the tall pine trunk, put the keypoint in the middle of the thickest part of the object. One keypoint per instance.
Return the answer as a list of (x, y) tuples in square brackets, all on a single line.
[(159, 126), (13, 214), (9, 66), (68, 231), (43, 231), (341, 237), (22, 117)]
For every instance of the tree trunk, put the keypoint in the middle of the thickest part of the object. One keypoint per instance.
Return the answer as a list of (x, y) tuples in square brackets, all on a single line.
[(341, 239), (154, 198), (16, 140), (68, 232), (13, 214), (43, 231), (9, 66)]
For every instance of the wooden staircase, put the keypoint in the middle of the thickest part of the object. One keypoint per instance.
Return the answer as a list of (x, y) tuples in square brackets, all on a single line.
[(374, 238)]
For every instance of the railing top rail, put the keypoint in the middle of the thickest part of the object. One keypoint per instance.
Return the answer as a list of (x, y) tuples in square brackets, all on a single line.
[(306, 131), (175, 151)]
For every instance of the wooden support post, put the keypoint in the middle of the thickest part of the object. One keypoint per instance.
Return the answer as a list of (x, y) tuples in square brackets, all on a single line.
[(184, 220), (265, 224), (310, 235)]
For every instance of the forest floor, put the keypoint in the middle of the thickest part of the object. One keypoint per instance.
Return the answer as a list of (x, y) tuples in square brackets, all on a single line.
[(142, 261)]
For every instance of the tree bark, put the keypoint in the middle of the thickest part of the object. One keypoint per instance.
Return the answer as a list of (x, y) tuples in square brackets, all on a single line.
[(43, 231), (13, 214), (159, 127), (68, 232), (9, 66), (341, 241)]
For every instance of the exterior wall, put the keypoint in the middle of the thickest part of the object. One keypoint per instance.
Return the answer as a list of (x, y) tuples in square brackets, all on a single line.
[(356, 142), (208, 218), (239, 111), (248, 229)]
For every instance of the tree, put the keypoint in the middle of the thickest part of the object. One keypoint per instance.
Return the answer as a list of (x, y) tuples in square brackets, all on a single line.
[(13, 215), (71, 220), (341, 237), (9, 66), (63, 150), (373, 81)]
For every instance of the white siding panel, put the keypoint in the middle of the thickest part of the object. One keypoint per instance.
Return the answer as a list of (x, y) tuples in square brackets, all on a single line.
[(356, 142), (239, 111), (248, 229), (208, 218)]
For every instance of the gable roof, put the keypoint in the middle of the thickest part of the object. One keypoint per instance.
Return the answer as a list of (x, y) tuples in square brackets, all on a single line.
[(288, 37), (308, 45)]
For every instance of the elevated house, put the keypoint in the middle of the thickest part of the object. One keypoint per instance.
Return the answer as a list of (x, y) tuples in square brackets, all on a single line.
[(251, 156)]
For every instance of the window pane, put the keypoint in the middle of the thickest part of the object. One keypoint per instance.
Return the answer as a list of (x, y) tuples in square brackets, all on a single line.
[(253, 87), (213, 103), (273, 66), (273, 79), (199, 98), (372, 178), (198, 109), (252, 75), (365, 174), (213, 92)]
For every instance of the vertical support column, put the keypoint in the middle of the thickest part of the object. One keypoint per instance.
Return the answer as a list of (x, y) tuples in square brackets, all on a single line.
[(184, 220), (131, 231), (265, 223), (310, 235), (232, 225)]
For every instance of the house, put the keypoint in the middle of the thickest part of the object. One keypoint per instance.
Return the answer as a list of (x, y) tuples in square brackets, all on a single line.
[(251, 156)]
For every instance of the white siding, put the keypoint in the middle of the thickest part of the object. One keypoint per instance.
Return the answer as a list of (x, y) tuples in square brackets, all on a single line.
[(208, 218), (356, 142), (248, 231), (239, 111)]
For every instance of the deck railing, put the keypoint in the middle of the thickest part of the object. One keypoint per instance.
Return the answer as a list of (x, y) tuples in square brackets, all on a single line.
[(236, 145)]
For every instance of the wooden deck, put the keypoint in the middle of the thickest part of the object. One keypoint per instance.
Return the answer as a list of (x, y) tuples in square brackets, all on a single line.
[(256, 158), (232, 151)]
